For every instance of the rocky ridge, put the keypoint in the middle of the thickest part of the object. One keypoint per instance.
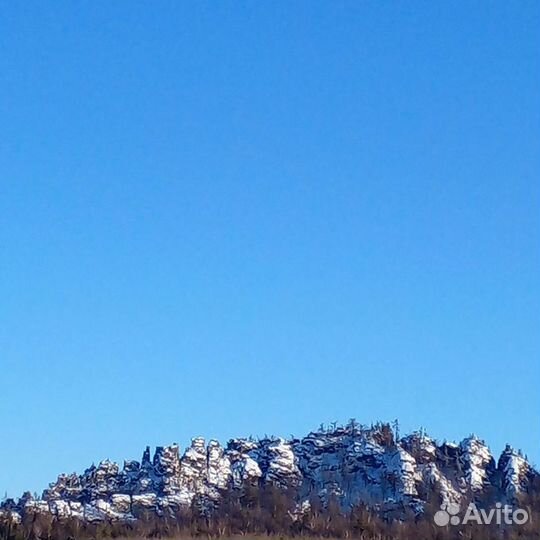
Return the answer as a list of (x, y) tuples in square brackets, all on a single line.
[(351, 464)]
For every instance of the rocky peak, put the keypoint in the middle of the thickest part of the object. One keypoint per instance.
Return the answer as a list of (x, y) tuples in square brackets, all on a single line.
[(349, 464), (516, 472), (478, 463), (421, 447)]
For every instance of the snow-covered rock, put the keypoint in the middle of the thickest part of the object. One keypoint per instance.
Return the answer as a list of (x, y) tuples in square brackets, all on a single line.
[(478, 463), (516, 472), (349, 464)]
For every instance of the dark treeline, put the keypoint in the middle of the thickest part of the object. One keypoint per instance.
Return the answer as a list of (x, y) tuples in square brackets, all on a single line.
[(271, 511)]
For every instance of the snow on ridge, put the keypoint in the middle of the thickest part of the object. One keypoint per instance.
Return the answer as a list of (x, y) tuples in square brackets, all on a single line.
[(352, 464)]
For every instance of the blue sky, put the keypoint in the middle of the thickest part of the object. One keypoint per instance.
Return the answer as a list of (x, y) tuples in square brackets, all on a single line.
[(234, 218)]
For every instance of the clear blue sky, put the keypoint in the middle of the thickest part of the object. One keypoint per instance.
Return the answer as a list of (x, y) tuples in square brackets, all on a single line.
[(234, 218)]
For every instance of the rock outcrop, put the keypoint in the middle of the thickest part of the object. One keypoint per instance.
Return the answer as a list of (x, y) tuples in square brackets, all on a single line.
[(349, 464)]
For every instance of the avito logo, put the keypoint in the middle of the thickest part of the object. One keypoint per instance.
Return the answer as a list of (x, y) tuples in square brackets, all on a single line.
[(449, 514)]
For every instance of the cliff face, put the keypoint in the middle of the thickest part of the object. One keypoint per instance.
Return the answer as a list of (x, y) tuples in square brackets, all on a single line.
[(348, 464)]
